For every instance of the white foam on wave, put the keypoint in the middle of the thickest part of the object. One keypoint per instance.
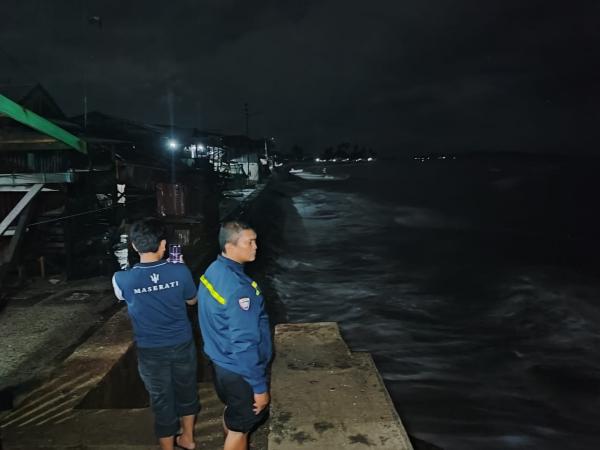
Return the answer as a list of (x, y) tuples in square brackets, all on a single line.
[(346, 209), (532, 297), (372, 258), (412, 217), (425, 375), (291, 263), (323, 216)]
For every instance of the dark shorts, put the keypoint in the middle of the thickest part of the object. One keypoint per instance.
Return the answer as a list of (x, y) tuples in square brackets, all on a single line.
[(169, 374), (238, 397)]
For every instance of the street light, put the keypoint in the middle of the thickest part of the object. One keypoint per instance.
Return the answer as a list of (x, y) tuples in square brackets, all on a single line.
[(172, 144)]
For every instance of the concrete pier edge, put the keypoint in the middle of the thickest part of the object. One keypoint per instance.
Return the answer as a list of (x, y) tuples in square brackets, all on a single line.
[(325, 397)]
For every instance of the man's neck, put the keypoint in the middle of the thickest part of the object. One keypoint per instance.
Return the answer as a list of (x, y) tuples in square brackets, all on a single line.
[(149, 257)]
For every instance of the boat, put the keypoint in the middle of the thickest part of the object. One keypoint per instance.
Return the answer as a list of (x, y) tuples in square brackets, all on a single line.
[(311, 176)]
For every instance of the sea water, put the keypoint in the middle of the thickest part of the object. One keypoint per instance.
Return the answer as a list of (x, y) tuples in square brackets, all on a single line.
[(473, 283)]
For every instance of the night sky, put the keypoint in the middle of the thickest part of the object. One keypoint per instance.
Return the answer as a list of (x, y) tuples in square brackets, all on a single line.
[(399, 76)]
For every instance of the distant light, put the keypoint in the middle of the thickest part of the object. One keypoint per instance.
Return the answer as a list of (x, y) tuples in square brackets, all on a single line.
[(200, 147), (317, 159), (172, 143), (369, 159)]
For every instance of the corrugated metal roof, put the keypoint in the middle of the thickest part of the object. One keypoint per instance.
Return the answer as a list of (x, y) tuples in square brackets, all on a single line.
[(35, 98), (16, 92)]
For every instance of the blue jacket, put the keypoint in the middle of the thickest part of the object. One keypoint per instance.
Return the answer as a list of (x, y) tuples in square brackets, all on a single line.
[(234, 323)]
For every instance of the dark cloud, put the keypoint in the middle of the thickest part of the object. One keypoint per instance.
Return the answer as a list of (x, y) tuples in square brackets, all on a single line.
[(395, 75)]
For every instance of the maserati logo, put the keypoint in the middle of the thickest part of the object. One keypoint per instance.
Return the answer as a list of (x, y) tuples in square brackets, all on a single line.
[(154, 277)]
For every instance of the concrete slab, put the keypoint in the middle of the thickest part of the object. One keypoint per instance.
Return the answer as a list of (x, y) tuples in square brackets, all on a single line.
[(77, 375), (324, 397), (78, 406), (108, 429), (42, 323)]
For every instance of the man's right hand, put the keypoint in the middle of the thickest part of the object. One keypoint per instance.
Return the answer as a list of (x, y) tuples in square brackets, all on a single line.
[(260, 402)]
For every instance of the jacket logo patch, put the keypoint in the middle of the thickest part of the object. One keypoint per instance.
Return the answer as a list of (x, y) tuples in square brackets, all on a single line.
[(154, 277), (244, 303)]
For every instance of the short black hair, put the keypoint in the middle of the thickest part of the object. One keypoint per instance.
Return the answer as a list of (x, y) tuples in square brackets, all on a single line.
[(146, 234), (230, 232)]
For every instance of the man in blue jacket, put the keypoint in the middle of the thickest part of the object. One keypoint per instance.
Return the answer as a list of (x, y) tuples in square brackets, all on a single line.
[(236, 334), (156, 293)]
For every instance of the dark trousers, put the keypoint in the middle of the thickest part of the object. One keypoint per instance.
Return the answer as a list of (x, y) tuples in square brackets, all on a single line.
[(238, 397), (169, 374)]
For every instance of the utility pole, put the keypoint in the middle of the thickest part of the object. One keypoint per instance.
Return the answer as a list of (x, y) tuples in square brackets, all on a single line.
[(88, 59), (248, 140), (85, 106), (84, 35)]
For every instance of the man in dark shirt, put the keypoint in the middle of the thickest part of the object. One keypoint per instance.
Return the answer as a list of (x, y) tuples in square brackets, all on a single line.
[(156, 293)]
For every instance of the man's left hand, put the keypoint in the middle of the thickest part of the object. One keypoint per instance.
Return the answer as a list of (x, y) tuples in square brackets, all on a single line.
[(260, 402)]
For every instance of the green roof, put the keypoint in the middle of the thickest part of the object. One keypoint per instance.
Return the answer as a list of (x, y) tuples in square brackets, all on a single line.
[(31, 119)]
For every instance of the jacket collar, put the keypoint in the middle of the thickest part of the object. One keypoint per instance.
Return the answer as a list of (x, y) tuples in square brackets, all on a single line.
[(231, 263)]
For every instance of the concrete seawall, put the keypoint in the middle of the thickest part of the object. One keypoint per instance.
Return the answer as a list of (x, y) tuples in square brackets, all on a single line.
[(325, 397)]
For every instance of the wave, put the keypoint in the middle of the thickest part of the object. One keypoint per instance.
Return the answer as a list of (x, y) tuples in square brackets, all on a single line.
[(476, 349), (290, 263), (413, 217)]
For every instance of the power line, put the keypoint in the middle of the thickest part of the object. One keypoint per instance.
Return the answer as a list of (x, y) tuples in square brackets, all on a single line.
[(41, 222)]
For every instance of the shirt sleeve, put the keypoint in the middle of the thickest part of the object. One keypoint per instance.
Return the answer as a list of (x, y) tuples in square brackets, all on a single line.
[(244, 323), (189, 287), (117, 288)]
